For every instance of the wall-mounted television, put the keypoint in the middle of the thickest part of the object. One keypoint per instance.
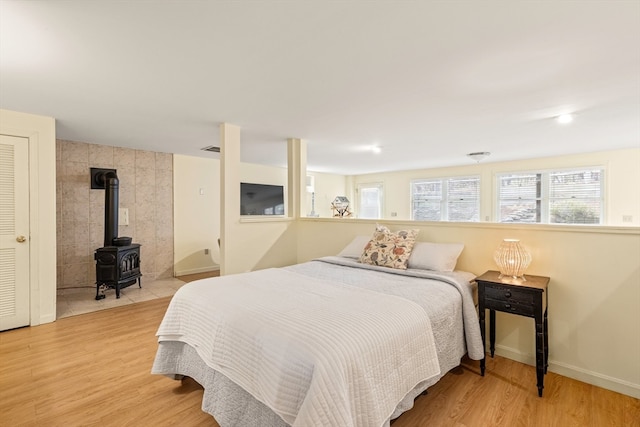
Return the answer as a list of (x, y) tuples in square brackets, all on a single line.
[(261, 199)]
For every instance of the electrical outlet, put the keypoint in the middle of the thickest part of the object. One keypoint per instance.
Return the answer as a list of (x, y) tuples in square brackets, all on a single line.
[(123, 216), (627, 218)]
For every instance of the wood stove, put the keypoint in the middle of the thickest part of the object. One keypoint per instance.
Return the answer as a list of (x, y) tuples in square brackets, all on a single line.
[(118, 262), (117, 267)]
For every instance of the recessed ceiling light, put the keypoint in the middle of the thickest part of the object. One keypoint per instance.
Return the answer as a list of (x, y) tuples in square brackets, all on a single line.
[(376, 149), (565, 118)]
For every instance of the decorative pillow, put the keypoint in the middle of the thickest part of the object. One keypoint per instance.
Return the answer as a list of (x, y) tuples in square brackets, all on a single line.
[(355, 248), (389, 249), (435, 256)]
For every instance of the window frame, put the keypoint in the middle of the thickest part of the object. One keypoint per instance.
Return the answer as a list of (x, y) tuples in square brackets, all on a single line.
[(367, 185), (445, 196), (545, 200)]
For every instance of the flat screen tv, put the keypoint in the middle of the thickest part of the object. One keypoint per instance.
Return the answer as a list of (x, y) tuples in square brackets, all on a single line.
[(261, 199)]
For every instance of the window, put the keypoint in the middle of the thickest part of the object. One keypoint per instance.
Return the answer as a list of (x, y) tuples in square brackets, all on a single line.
[(370, 201), (446, 199), (556, 197)]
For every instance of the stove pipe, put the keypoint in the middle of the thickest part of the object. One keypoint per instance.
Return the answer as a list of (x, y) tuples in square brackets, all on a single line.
[(111, 185)]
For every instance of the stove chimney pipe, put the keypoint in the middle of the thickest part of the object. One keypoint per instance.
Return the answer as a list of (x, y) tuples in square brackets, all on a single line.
[(111, 185)]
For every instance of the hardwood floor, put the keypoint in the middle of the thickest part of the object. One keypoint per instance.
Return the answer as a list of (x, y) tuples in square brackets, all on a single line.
[(94, 369), (198, 276)]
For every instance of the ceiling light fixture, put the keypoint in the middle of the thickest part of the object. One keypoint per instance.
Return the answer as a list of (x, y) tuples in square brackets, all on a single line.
[(376, 150), (211, 148), (479, 155), (564, 118)]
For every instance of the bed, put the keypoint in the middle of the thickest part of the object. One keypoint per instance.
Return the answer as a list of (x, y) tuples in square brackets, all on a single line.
[(333, 341)]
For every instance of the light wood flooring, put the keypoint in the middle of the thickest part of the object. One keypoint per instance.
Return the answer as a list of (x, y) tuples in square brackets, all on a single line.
[(94, 370)]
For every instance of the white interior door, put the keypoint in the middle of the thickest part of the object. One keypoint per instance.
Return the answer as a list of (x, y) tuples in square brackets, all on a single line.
[(14, 232)]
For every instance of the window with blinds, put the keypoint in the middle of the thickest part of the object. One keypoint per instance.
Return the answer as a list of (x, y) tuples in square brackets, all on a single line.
[(551, 197), (446, 199)]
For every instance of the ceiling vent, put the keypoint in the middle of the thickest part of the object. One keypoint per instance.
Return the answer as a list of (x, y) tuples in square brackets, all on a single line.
[(212, 149)]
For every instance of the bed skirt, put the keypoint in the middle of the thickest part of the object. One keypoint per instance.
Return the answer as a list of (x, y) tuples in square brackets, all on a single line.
[(232, 406)]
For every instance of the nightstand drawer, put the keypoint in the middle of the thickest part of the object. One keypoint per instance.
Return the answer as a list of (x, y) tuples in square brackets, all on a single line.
[(503, 293), (509, 306)]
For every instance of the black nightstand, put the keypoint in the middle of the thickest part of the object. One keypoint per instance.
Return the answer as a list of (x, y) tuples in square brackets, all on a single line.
[(523, 297)]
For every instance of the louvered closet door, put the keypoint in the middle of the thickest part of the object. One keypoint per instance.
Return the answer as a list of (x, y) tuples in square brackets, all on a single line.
[(14, 232)]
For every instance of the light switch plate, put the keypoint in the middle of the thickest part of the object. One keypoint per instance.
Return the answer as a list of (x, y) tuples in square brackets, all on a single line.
[(123, 216)]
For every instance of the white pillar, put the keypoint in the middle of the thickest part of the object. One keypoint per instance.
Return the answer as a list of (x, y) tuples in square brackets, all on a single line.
[(297, 176), (229, 187)]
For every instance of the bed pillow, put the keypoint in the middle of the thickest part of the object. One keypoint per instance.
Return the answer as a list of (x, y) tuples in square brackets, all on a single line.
[(435, 256), (355, 248), (388, 249)]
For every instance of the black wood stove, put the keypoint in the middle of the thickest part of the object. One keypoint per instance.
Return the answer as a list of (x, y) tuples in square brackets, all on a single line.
[(117, 267), (118, 262)]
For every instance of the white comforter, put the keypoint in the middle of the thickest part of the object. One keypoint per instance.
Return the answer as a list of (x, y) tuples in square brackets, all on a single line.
[(316, 352)]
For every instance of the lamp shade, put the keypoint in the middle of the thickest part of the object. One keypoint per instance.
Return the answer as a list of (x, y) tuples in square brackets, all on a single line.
[(310, 184), (512, 258)]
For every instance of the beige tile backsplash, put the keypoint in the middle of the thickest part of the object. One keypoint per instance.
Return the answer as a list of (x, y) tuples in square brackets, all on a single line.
[(146, 189)]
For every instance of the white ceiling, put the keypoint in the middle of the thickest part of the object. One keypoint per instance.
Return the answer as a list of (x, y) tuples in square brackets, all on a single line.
[(428, 81)]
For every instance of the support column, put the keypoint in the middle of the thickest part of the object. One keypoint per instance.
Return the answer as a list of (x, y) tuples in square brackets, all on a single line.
[(229, 187), (297, 176)]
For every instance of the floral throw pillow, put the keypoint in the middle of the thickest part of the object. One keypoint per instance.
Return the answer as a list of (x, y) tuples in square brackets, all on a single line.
[(388, 249)]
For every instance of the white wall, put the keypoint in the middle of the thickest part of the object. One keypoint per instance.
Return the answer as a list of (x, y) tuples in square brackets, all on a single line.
[(594, 292), (197, 217), (622, 180), (327, 187), (258, 242), (196, 187), (198, 221)]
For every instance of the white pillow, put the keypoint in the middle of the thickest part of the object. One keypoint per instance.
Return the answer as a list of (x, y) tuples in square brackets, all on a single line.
[(356, 247), (435, 256)]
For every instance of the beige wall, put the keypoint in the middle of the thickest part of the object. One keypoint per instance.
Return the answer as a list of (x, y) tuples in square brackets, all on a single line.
[(252, 243), (327, 187), (594, 292), (196, 182), (146, 189), (622, 174), (197, 219)]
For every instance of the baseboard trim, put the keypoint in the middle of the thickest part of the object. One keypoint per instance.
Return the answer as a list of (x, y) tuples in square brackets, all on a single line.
[(197, 270), (584, 375), (46, 319)]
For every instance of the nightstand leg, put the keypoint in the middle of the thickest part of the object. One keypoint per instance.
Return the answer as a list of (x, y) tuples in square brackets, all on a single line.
[(482, 332), (546, 342), (492, 331), (540, 352)]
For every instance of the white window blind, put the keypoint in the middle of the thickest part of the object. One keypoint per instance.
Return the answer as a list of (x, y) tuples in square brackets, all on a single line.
[(446, 199), (551, 197)]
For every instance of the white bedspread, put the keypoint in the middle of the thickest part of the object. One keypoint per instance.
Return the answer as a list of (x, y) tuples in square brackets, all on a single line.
[(316, 352), (404, 285)]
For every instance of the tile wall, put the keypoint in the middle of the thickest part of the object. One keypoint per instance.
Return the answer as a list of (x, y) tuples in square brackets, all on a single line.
[(146, 189)]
